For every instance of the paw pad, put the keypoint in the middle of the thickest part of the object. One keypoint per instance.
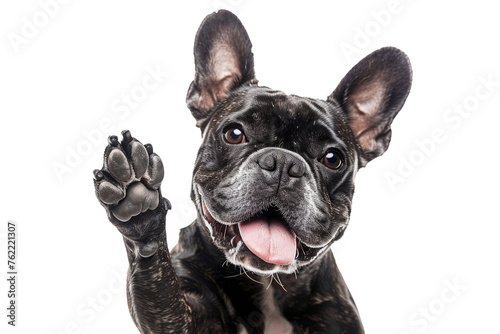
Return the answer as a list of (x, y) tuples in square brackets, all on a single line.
[(129, 182)]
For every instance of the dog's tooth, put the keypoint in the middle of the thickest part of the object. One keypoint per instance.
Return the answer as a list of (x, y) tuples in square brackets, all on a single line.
[(235, 240)]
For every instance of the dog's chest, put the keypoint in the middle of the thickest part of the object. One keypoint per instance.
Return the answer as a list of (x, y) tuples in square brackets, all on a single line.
[(274, 322)]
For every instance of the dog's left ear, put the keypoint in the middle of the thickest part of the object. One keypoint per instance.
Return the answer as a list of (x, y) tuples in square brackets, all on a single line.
[(372, 94), (223, 61)]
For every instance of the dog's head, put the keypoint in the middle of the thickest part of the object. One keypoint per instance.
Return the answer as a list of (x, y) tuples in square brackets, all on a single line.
[(274, 176)]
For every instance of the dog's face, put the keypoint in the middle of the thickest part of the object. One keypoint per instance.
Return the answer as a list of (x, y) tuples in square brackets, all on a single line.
[(274, 176)]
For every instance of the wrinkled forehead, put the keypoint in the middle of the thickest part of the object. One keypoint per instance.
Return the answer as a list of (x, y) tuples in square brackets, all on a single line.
[(260, 109), (270, 118)]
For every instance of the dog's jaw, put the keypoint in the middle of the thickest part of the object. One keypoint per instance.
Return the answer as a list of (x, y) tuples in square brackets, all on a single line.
[(227, 238)]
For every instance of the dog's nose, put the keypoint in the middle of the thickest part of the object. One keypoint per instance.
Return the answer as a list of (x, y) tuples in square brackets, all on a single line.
[(279, 161)]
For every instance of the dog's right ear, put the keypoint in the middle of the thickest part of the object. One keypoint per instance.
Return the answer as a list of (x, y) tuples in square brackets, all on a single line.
[(223, 61)]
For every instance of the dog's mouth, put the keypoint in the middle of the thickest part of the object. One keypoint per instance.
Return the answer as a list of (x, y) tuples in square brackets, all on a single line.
[(266, 234)]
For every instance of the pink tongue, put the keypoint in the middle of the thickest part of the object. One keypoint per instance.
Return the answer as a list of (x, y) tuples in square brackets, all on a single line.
[(271, 241)]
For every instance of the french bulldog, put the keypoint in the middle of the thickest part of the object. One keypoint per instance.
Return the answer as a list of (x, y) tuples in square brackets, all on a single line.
[(272, 184)]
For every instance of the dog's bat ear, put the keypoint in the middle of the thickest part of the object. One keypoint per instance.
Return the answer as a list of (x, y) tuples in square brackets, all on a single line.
[(223, 61), (372, 94)]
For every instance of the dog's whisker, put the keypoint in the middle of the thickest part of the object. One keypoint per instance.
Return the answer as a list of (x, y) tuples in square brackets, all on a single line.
[(271, 277), (278, 280), (250, 277), (233, 276), (301, 248)]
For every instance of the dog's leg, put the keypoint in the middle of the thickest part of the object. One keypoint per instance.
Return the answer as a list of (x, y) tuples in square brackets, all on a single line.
[(128, 186)]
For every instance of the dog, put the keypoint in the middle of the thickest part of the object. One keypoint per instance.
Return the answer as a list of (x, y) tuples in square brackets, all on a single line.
[(273, 183)]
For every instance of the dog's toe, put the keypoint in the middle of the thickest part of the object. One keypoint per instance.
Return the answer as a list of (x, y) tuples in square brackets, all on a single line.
[(140, 158), (154, 175), (108, 193), (118, 165)]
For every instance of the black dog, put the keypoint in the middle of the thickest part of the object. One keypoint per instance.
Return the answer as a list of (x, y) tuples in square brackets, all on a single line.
[(272, 184)]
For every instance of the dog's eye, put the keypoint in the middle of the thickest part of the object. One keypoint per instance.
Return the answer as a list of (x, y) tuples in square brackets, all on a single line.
[(331, 160), (235, 136)]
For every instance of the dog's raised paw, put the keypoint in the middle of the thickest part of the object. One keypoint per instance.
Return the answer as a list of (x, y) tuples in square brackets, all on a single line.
[(129, 182)]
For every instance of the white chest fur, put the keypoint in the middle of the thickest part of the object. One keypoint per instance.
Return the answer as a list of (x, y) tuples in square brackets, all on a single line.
[(274, 321)]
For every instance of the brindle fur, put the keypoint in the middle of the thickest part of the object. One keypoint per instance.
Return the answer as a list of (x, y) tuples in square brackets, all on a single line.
[(207, 284)]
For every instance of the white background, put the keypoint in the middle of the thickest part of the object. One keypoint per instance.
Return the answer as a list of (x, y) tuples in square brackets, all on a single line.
[(436, 227)]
